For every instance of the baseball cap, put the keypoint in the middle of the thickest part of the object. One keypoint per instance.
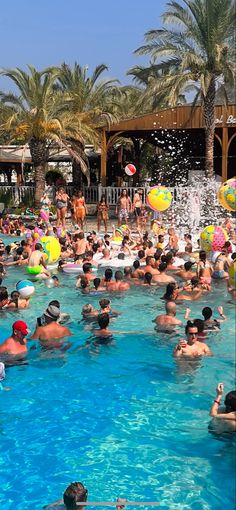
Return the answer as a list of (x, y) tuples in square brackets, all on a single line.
[(21, 326), (52, 312)]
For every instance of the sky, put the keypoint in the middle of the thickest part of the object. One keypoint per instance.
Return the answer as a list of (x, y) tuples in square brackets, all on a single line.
[(91, 32)]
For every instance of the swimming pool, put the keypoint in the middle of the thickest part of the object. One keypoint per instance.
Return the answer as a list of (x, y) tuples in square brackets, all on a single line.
[(123, 418)]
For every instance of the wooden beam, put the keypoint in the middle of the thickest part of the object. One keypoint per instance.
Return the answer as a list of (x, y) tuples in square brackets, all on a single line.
[(104, 159), (224, 154)]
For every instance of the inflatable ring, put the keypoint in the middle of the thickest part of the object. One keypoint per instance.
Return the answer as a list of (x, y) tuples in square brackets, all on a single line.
[(34, 270), (74, 268)]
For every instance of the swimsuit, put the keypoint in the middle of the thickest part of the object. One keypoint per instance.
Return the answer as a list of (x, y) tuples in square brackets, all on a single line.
[(218, 274), (123, 214)]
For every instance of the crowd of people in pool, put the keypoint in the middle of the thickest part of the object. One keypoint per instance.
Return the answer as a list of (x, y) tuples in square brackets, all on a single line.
[(154, 258)]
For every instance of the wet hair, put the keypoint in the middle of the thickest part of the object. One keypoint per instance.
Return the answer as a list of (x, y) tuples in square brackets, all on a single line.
[(157, 254), (149, 244), (15, 297), (199, 323), (169, 291), (8, 249), (169, 257), (54, 302), (207, 313), (160, 236), (148, 278), (103, 320), (162, 267), (75, 493), (190, 324), (3, 293), (202, 256), (83, 282), (54, 277), (121, 256), (23, 242), (87, 267), (38, 246), (230, 401), (87, 309), (80, 235), (20, 250), (148, 259), (136, 264), (118, 275), (164, 259), (127, 270), (141, 254), (233, 256), (104, 302), (188, 265), (108, 274), (96, 282), (194, 281)]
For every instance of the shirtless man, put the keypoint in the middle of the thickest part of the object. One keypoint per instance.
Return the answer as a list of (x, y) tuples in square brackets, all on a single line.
[(186, 273), (169, 318), (191, 347), (162, 278), (37, 259), (80, 244), (52, 330), (123, 207), (118, 285), (16, 343), (150, 266)]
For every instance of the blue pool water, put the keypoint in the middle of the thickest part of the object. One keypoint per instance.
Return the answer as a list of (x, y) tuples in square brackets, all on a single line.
[(123, 418)]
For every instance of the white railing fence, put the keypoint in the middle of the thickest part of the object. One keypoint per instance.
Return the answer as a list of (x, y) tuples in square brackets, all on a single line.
[(188, 202)]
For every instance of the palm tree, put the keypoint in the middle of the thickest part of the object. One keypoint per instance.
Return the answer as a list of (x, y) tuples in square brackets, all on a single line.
[(196, 48), (37, 117), (88, 99)]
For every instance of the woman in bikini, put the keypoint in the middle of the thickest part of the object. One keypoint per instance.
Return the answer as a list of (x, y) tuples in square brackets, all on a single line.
[(62, 200), (102, 209), (204, 269), (80, 209)]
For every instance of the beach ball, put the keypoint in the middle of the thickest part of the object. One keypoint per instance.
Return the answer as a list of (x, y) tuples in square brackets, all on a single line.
[(25, 288), (130, 170), (52, 248), (232, 275), (159, 198), (227, 195), (213, 238)]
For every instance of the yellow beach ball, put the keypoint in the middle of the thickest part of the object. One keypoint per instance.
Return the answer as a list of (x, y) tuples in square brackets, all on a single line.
[(227, 195), (232, 275), (52, 248), (159, 198)]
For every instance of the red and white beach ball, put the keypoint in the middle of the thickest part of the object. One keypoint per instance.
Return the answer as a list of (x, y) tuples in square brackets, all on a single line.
[(130, 170)]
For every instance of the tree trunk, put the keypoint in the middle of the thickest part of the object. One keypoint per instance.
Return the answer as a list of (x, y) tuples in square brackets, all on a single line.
[(39, 154), (209, 117), (77, 171), (40, 171), (76, 175)]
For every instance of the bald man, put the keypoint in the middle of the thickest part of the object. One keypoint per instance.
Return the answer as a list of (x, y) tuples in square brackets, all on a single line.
[(168, 319)]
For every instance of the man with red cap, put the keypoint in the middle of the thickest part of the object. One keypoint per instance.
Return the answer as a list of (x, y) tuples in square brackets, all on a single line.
[(16, 343)]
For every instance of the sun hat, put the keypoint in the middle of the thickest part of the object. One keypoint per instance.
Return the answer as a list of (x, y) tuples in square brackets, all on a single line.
[(2, 371), (21, 326), (52, 312)]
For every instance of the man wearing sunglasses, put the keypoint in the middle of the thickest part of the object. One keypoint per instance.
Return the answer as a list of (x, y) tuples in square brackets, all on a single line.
[(191, 347)]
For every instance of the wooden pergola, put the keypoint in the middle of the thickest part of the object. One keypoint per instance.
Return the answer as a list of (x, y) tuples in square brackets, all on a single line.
[(179, 118)]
